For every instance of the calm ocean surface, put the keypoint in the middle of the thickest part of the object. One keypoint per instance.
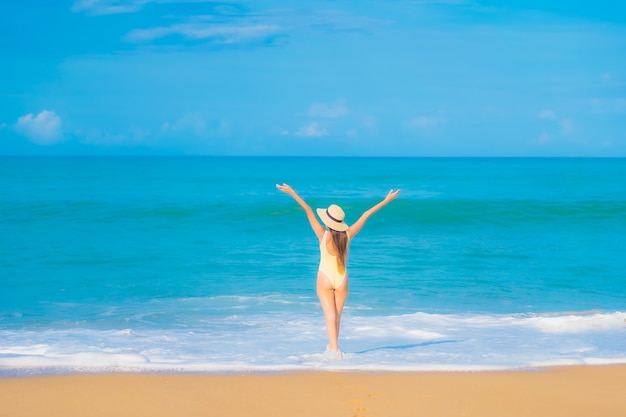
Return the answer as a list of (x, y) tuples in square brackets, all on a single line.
[(200, 264)]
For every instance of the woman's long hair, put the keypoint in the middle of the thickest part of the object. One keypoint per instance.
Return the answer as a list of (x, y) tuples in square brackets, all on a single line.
[(340, 241)]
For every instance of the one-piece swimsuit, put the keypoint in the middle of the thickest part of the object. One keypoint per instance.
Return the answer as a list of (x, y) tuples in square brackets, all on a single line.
[(329, 265)]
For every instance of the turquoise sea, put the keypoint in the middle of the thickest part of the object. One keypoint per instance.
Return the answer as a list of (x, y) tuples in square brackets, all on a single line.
[(200, 264)]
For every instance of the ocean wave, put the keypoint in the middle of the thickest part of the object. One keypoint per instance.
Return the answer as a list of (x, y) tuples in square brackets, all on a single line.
[(281, 342)]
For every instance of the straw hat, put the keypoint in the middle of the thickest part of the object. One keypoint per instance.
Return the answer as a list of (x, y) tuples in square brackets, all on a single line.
[(333, 217)]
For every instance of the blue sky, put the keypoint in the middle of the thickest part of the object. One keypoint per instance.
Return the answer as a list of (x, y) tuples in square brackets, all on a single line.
[(394, 77)]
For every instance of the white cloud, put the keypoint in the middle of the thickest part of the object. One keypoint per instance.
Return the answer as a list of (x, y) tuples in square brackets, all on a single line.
[(567, 126), (198, 31), (547, 114), (608, 77), (133, 136), (101, 138), (370, 122), (427, 122), (223, 23), (43, 129), (608, 105), (544, 138), (352, 133), (333, 110), (312, 130), (104, 7), (194, 123)]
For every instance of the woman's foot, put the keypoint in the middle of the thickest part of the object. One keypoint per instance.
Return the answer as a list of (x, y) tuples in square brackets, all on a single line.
[(333, 355)]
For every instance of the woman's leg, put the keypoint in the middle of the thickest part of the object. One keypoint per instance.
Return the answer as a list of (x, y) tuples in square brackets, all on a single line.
[(332, 304), (341, 294)]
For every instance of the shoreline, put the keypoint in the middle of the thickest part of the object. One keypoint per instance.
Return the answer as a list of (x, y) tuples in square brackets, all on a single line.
[(585, 390), (332, 366)]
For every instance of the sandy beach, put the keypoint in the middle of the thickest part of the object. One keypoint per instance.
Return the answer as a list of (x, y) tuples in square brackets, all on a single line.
[(566, 391)]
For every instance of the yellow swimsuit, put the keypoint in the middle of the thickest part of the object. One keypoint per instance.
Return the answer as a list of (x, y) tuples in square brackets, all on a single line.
[(329, 266)]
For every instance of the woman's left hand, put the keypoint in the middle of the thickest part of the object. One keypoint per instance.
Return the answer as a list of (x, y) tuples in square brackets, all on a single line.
[(391, 195)]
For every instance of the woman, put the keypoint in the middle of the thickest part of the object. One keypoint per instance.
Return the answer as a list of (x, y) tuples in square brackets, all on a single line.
[(332, 276)]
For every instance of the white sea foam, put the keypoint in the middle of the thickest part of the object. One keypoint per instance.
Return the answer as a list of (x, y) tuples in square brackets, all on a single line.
[(274, 342), (577, 323)]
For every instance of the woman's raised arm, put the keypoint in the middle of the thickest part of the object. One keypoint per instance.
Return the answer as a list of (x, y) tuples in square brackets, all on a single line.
[(358, 225), (315, 224)]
